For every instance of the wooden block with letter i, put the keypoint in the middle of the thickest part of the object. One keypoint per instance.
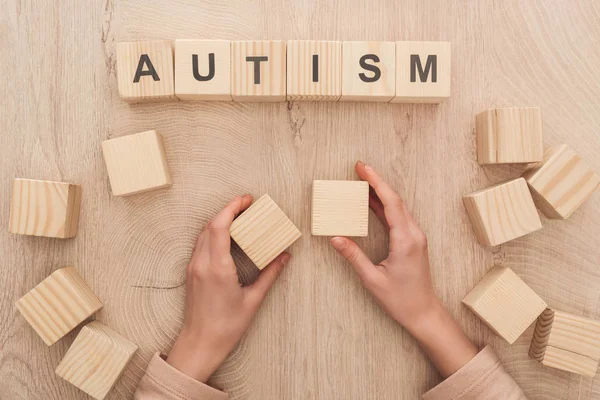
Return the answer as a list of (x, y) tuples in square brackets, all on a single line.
[(505, 303), (566, 341), (96, 359), (263, 231), (58, 304), (340, 208)]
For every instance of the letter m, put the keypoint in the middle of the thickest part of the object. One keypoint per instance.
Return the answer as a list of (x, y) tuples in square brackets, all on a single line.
[(430, 65)]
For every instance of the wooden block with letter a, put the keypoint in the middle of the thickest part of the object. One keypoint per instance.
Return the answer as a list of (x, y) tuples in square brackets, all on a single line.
[(422, 72), (44, 208), (561, 182), (258, 71), (502, 213), (340, 208), (145, 70), (566, 341), (263, 231), (58, 304), (136, 163), (509, 135), (96, 359), (314, 70), (203, 70), (368, 71), (505, 303)]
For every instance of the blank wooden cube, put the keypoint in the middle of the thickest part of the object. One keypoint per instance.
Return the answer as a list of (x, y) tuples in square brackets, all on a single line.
[(314, 70), (502, 213), (203, 70), (58, 304), (505, 303), (340, 208), (561, 182), (368, 71), (422, 72), (44, 208), (566, 341), (96, 359), (258, 71), (145, 70), (509, 135), (136, 163)]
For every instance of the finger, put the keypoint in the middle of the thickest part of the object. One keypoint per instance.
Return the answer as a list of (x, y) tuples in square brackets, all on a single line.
[(267, 277), (356, 257), (377, 207), (202, 242), (219, 226)]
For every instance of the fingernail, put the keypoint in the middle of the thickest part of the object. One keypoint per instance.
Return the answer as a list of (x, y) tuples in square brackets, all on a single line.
[(285, 258), (368, 168), (338, 242)]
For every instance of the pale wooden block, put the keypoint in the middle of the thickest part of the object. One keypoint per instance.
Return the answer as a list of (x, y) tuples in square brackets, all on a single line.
[(58, 304), (203, 70), (145, 70), (566, 341), (258, 71), (509, 135), (561, 182), (505, 303), (44, 208), (422, 72), (136, 163), (502, 212), (314, 70), (263, 231), (368, 71), (340, 208), (96, 359)]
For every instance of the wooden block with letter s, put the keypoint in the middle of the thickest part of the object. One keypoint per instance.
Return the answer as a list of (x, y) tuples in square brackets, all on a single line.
[(340, 208)]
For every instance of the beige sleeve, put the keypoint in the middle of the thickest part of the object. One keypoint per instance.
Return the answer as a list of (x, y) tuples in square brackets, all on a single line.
[(164, 382), (482, 378)]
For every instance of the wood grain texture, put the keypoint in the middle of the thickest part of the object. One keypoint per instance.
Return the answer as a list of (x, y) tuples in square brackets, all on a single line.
[(340, 208), (319, 334), (310, 78)]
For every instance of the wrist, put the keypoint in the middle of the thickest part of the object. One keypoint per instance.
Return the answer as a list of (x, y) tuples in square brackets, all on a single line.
[(430, 316), (194, 357)]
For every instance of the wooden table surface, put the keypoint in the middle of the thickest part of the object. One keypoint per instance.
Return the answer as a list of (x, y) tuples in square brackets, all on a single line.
[(319, 334)]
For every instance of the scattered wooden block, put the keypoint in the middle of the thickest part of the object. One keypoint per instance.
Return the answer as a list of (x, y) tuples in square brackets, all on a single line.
[(502, 213), (314, 70), (566, 341), (96, 359), (258, 71), (145, 70), (263, 231), (368, 71), (58, 304), (561, 182), (340, 208), (203, 70), (422, 72), (509, 135), (136, 163), (505, 303), (44, 208)]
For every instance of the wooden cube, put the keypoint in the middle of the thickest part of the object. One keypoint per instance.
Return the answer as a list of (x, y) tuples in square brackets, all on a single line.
[(203, 70), (258, 71), (314, 70), (509, 135), (263, 231), (44, 208), (502, 213), (58, 304), (340, 208), (136, 163), (368, 71), (566, 341), (422, 72), (145, 71), (561, 182), (96, 359), (505, 303)]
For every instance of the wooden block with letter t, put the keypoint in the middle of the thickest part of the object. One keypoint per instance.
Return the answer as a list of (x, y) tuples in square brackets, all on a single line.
[(422, 72), (96, 359), (263, 231), (314, 70), (505, 303), (340, 208), (145, 70)]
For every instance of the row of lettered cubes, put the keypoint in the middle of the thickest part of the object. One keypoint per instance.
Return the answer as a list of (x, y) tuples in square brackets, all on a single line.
[(274, 70)]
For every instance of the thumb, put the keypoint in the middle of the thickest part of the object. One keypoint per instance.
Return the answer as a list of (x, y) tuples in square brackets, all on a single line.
[(355, 256), (258, 290)]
